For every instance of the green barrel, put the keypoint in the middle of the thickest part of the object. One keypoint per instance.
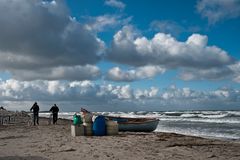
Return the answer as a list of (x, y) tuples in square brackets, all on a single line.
[(77, 119)]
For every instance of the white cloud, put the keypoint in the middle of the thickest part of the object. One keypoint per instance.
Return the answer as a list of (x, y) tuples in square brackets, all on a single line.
[(218, 10), (130, 48), (193, 57), (142, 94), (72, 95), (115, 3), (40, 36), (116, 74), (104, 22)]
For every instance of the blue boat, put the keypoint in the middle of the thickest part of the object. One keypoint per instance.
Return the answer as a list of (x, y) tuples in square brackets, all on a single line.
[(135, 124)]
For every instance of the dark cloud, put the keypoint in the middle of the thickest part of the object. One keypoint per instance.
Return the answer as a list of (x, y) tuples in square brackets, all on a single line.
[(207, 74), (88, 72), (41, 34)]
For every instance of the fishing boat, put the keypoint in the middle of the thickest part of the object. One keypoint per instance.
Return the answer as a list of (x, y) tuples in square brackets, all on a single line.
[(135, 124), (131, 124)]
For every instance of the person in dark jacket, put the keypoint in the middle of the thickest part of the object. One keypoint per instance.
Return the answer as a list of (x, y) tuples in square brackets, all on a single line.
[(35, 109), (54, 111)]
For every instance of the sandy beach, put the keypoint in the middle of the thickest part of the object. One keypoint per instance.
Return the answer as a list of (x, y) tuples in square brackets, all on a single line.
[(19, 141)]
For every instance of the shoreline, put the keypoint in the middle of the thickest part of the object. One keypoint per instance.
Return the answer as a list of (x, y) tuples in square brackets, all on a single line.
[(197, 136), (19, 141)]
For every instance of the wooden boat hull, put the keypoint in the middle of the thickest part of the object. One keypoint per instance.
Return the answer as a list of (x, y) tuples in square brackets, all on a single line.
[(136, 124), (140, 127)]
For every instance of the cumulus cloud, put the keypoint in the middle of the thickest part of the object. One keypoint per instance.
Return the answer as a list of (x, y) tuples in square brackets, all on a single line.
[(115, 3), (72, 95), (128, 47), (218, 10), (147, 93), (38, 35), (60, 90), (116, 74)]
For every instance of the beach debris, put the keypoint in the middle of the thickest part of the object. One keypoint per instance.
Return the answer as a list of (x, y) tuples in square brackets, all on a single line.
[(67, 149)]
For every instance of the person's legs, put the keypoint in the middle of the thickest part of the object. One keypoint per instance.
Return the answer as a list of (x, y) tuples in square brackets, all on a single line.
[(37, 118), (55, 117), (34, 119)]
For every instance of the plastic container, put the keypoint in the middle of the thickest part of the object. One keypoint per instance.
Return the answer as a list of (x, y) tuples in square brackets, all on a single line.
[(99, 126), (77, 130), (77, 120), (88, 129), (111, 128)]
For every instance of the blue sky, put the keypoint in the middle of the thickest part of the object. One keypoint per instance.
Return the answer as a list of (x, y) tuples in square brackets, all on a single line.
[(120, 55)]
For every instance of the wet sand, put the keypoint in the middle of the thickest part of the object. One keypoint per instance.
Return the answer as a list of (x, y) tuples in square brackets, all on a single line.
[(19, 141)]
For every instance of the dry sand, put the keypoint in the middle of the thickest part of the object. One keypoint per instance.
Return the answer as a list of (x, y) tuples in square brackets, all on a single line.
[(44, 142)]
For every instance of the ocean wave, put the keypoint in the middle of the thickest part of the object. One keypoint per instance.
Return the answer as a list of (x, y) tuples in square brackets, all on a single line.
[(203, 116), (194, 132), (230, 121), (189, 115)]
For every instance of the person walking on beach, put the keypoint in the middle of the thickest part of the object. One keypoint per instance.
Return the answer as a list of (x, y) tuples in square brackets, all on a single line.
[(35, 109), (54, 111)]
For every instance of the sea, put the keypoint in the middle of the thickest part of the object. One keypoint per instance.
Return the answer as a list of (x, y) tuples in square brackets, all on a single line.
[(207, 124)]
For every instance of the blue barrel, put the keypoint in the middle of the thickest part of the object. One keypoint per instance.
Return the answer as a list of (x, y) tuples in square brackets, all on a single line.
[(99, 126)]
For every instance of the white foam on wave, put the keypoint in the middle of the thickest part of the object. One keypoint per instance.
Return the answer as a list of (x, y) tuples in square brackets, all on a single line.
[(63, 115), (197, 133), (188, 115), (213, 115), (230, 121)]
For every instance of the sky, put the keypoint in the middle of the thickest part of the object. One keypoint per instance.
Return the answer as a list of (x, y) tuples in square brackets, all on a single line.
[(119, 55)]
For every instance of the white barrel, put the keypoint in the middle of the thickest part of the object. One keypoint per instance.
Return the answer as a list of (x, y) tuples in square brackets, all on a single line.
[(112, 127), (88, 129), (86, 117)]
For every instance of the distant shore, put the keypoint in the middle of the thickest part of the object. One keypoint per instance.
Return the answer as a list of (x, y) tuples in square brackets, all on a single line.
[(20, 141)]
